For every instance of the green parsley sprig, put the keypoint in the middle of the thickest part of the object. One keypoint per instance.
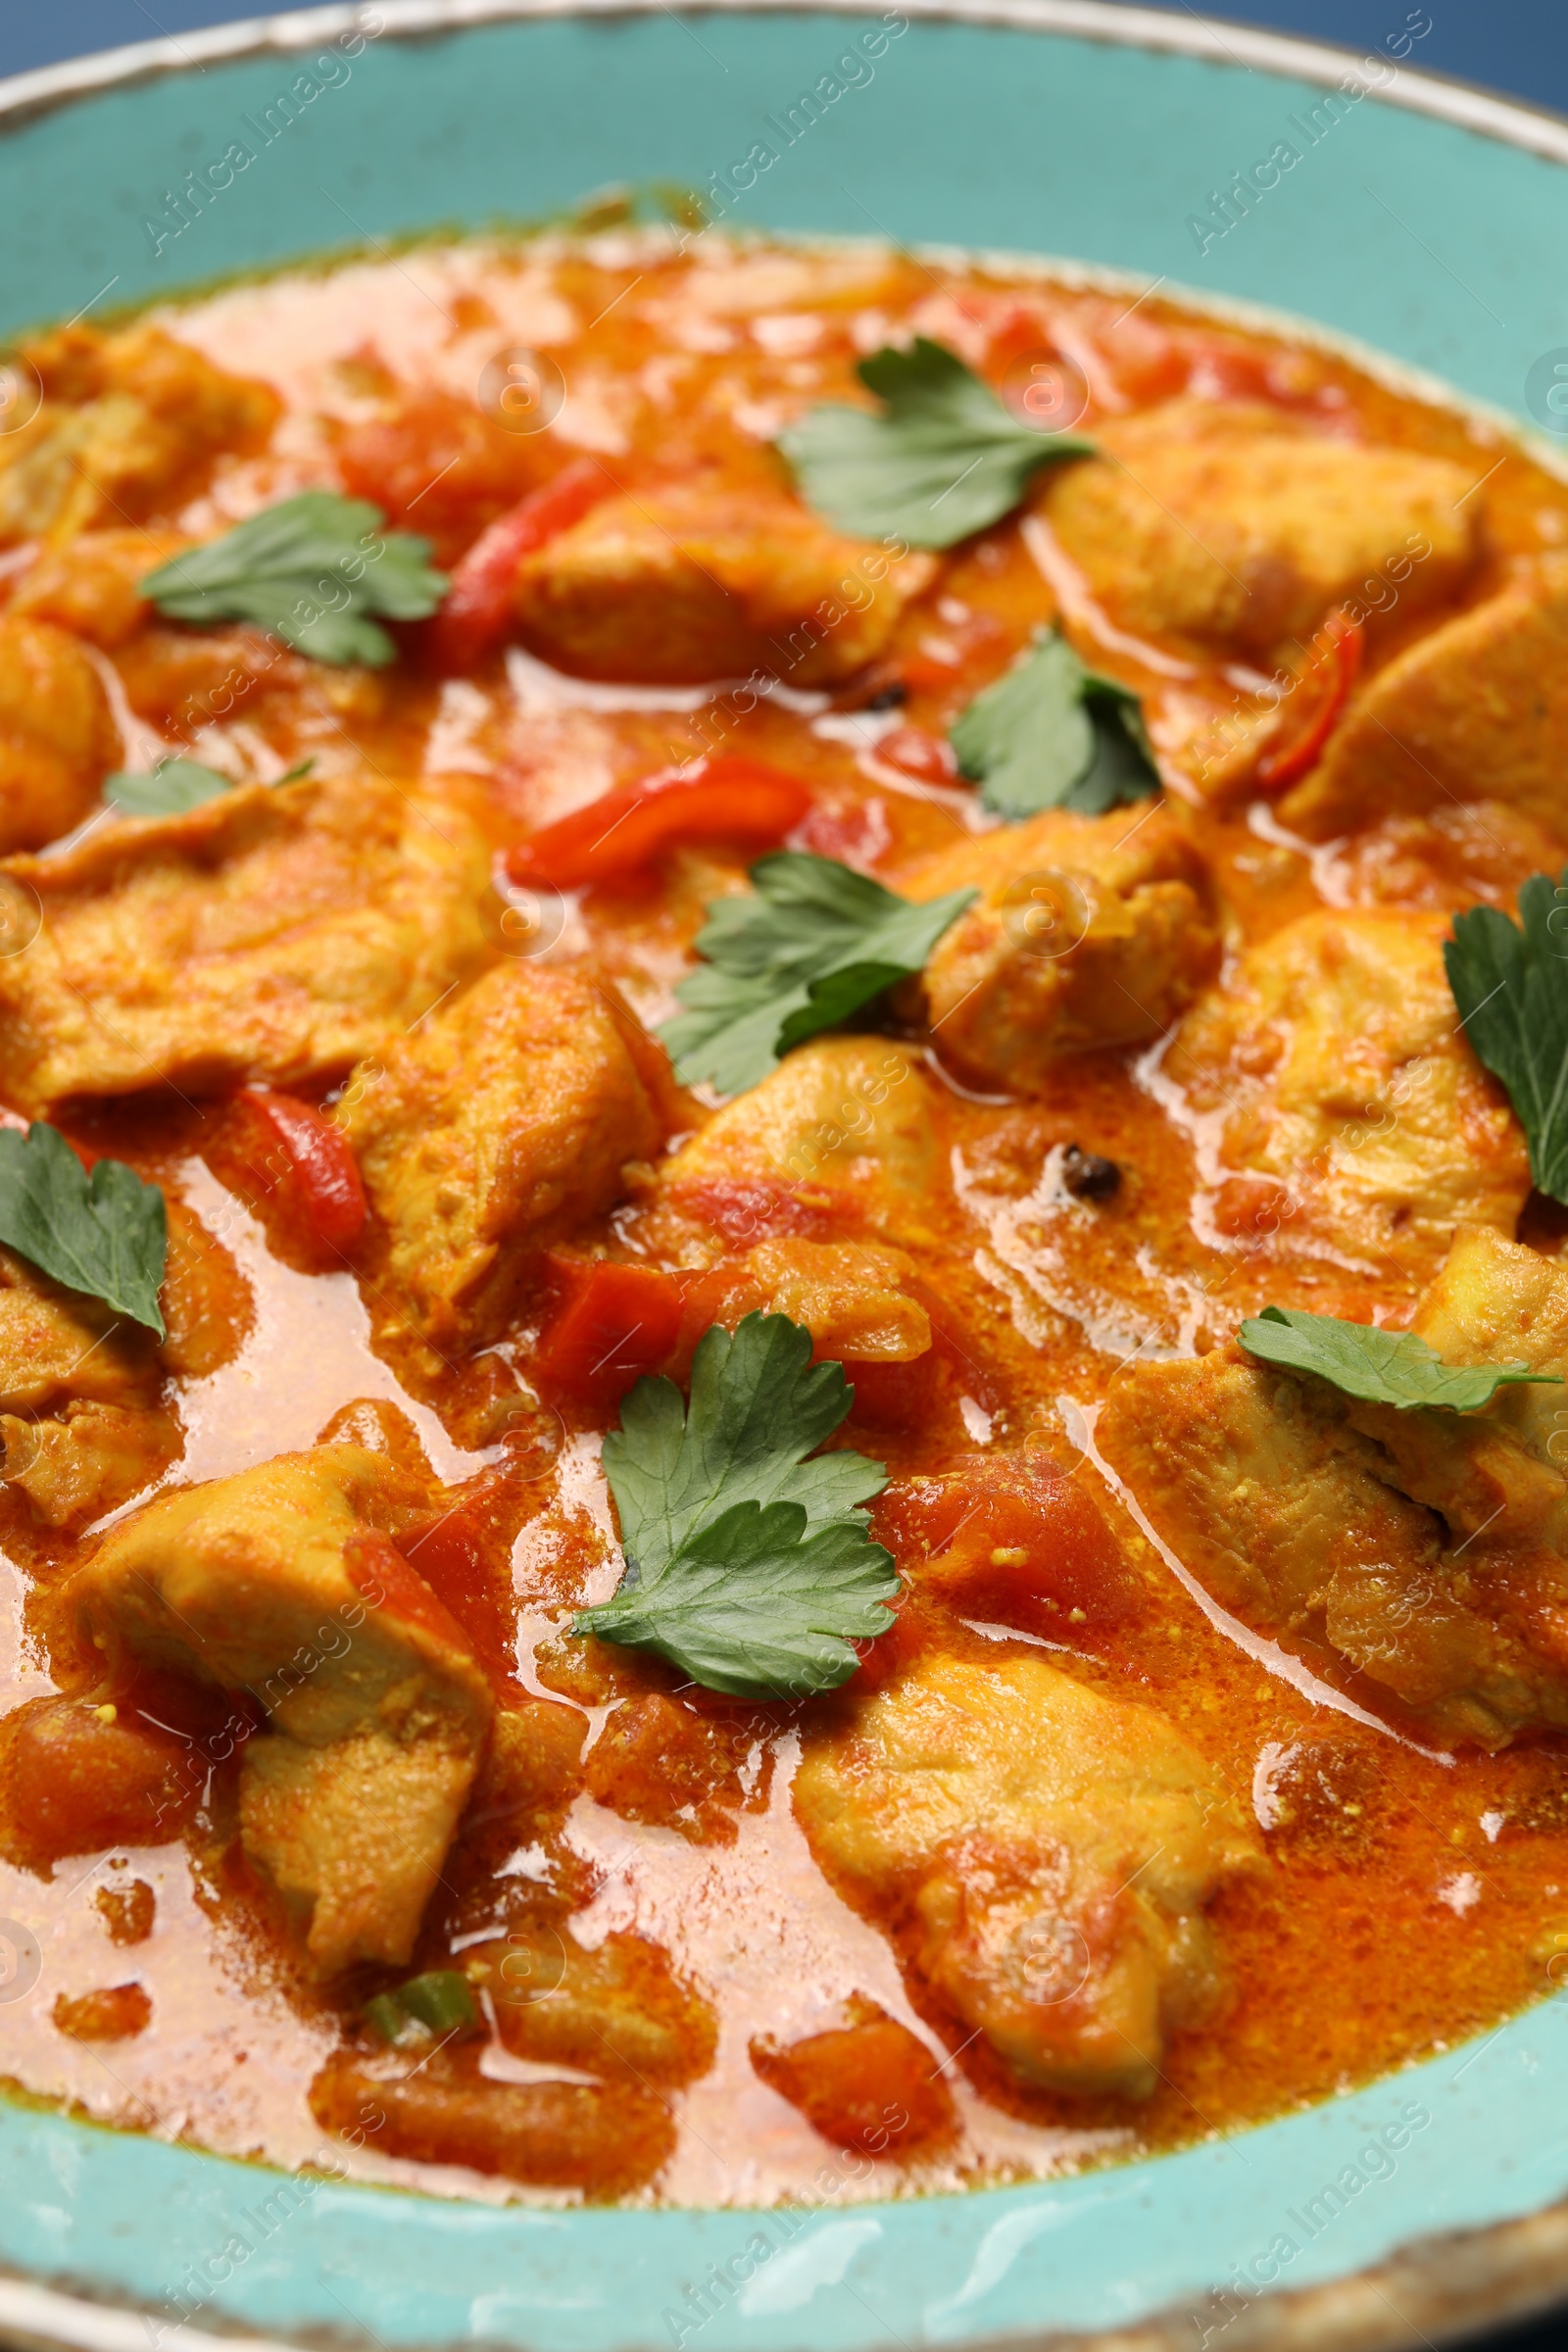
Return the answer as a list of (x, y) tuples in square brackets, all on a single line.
[(1380, 1367), (747, 1566), (817, 944), (177, 786), (1054, 734), (309, 570), (105, 1234), (945, 457), (1510, 984)]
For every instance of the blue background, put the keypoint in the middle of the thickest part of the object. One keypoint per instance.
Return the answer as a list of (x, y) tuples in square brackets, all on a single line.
[(1520, 46), (1516, 46)]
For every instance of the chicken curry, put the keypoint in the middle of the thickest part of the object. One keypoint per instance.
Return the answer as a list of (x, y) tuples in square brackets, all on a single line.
[(780, 1038)]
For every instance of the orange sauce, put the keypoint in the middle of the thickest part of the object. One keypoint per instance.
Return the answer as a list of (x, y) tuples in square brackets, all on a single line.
[(1411, 1897)]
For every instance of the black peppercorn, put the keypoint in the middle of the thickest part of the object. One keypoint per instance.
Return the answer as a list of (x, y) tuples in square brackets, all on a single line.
[(1088, 1177)]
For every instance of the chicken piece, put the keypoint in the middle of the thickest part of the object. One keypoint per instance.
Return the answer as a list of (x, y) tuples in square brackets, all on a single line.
[(80, 1417), (91, 584), (692, 583), (1232, 527), (1426, 1549), (1091, 931), (1476, 711), (56, 736), (282, 1582), (1047, 1853), (1335, 1062), (129, 423), (618, 2011), (868, 2084), (606, 2139), (273, 934), (497, 1127), (844, 1123), (856, 1299)]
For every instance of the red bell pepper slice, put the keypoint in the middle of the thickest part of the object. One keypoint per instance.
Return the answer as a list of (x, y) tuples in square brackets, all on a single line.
[(1337, 654), (614, 1323), (321, 1162), (478, 604), (731, 798)]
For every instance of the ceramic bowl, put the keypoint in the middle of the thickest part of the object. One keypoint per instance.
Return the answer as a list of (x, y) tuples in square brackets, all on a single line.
[(1424, 219)]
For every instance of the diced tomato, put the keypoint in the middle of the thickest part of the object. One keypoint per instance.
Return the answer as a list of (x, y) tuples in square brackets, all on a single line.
[(440, 466), (869, 2085), (883, 1656), (729, 798), (919, 753), (75, 1777), (1325, 684), (1011, 1539), (464, 1558), (384, 1580), (477, 605), (615, 1323), (320, 1167)]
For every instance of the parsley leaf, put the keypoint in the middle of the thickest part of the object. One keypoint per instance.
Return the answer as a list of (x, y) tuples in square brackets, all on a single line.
[(105, 1234), (817, 942), (177, 786), (174, 787), (747, 1565), (1382, 1367), (1052, 734), (944, 457), (1510, 984), (309, 570)]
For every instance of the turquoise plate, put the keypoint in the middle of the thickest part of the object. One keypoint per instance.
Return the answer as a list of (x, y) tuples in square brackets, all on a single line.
[(1429, 221)]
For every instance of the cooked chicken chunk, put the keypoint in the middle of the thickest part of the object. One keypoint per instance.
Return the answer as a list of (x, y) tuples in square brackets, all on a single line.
[(498, 1125), (271, 934), (57, 737), (619, 2010), (91, 583), (856, 1299), (1476, 711), (80, 1419), (1091, 931), (843, 1122), (1337, 1063), (282, 1582), (1050, 1852), (1427, 1550), (688, 583), (130, 421), (1233, 527), (606, 2139)]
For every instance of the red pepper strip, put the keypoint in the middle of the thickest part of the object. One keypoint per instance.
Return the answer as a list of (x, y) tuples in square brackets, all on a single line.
[(325, 1173), (1346, 643), (614, 1324), (478, 604), (731, 798)]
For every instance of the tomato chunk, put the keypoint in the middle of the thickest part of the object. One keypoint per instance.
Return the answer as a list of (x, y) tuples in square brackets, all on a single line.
[(478, 604), (615, 1323), (75, 1777), (318, 1164), (1011, 1540), (1325, 684), (729, 799), (870, 2084)]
